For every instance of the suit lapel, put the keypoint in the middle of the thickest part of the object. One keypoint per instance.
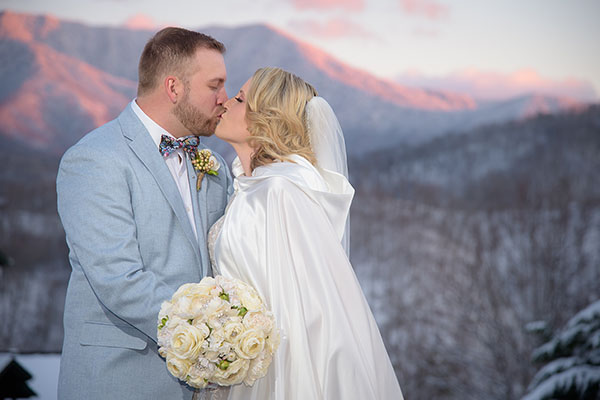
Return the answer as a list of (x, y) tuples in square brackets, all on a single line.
[(145, 149), (199, 202)]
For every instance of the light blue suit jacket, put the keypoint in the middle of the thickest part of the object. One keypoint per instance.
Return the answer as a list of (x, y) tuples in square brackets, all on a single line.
[(131, 246)]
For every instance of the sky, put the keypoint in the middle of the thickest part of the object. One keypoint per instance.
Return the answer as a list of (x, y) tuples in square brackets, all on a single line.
[(489, 49)]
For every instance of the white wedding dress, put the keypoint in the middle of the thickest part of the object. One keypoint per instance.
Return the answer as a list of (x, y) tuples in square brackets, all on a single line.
[(282, 234)]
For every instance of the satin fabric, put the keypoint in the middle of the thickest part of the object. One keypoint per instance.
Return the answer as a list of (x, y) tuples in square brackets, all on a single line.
[(281, 233)]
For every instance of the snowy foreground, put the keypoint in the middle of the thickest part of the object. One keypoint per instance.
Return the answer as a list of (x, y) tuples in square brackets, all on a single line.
[(43, 368)]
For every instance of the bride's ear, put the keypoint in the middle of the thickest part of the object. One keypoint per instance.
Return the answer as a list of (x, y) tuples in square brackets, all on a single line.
[(173, 88)]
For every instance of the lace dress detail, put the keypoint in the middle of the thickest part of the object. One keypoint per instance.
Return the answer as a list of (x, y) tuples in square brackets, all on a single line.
[(213, 235), (214, 393)]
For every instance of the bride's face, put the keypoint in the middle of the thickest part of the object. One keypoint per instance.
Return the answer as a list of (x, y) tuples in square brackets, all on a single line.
[(232, 126)]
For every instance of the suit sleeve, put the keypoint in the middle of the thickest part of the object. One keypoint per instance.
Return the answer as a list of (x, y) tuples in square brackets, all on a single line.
[(94, 204)]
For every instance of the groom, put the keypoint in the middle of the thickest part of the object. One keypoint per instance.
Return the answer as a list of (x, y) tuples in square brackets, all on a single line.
[(136, 221)]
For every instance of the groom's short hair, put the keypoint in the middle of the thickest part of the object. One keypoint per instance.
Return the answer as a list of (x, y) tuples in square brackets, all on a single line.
[(168, 51)]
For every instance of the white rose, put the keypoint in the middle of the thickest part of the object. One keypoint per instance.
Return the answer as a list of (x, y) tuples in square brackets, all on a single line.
[(204, 286), (215, 163), (217, 306), (219, 313), (258, 368), (250, 299), (272, 341), (177, 367), (211, 355), (208, 281), (183, 289), (233, 374), (191, 302), (172, 324), (227, 284), (186, 341), (250, 344), (166, 332), (200, 372), (162, 352), (259, 320), (182, 307), (165, 309), (232, 331), (215, 345), (198, 323), (164, 339)]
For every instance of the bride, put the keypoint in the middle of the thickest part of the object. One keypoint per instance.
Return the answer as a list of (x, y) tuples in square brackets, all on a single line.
[(285, 233)]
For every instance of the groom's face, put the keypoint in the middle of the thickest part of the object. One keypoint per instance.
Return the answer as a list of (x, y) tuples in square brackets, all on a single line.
[(204, 93)]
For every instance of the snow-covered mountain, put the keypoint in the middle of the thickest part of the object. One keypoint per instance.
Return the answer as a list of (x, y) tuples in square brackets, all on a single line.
[(61, 79)]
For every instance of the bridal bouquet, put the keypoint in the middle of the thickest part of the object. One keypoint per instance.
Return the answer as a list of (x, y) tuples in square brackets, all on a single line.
[(217, 331)]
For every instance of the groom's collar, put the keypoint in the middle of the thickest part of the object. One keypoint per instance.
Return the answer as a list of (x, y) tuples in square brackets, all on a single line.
[(155, 130)]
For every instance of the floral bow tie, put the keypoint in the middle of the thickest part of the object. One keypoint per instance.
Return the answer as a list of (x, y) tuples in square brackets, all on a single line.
[(203, 161), (168, 145)]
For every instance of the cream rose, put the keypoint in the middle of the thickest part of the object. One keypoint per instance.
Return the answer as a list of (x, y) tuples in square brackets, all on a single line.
[(226, 284), (233, 374), (219, 312), (200, 372), (162, 352), (215, 345), (186, 341), (250, 344), (191, 303), (232, 331), (183, 290), (250, 299), (258, 368), (202, 327), (272, 341), (177, 367), (259, 320), (165, 309)]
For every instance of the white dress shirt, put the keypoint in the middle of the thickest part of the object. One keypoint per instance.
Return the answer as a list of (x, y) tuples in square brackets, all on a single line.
[(175, 162)]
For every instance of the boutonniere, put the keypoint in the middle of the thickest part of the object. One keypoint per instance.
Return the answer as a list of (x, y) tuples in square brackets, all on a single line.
[(205, 163)]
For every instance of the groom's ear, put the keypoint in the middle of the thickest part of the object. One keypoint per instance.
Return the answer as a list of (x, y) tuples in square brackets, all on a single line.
[(173, 88)]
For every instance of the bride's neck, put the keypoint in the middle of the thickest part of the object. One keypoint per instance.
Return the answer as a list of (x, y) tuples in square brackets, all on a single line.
[(244, 153)]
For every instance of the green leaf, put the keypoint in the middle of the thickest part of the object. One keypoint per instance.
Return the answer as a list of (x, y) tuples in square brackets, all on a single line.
[(224, 296), (224, 364), (243, 311), (213, 173), (163, 322)]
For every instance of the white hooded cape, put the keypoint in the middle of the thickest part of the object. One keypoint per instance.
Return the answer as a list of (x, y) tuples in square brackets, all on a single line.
[(281, 234)]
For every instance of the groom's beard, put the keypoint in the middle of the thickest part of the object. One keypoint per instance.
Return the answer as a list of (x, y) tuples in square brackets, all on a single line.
[(193, 119)]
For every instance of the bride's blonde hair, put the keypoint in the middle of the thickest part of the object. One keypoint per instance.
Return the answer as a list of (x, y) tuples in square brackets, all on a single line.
[(276, 116)]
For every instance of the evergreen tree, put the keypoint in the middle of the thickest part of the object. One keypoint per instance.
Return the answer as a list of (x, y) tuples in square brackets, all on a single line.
[(13, 382), (572, 358)]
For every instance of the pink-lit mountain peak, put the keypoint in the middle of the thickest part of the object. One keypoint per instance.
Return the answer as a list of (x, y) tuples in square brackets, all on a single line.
[(58, 86), (500, 86), (387, 90), (26, 28), (397, 94)]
